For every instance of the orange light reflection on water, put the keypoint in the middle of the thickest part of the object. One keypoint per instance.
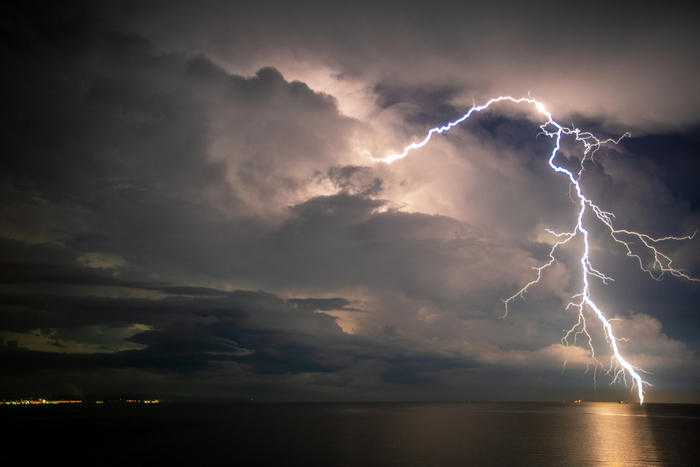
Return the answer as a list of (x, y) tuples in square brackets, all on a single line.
[(618, 434)]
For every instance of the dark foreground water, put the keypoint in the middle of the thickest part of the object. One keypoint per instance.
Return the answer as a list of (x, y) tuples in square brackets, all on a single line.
[(380, 434)]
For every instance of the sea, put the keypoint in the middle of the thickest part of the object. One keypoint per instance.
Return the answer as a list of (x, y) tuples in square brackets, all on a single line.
[(352, 434)]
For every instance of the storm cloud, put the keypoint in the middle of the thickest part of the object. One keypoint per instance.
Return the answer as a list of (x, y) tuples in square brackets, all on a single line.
[(190, 206)]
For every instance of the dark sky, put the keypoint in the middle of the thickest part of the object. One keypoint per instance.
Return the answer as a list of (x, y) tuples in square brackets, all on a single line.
[(190, 207)]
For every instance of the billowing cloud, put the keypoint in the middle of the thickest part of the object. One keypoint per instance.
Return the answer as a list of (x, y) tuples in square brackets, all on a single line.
[(629, 64)]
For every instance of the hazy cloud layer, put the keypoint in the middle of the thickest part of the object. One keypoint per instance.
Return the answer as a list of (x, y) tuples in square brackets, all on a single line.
[(626, 63)]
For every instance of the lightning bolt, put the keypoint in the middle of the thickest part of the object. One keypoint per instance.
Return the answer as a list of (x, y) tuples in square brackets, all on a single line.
[(582, 301)]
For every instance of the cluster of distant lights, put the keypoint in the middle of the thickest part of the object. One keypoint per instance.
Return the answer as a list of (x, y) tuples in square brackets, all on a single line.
[(70, 401), (41, 402), (661, 264)]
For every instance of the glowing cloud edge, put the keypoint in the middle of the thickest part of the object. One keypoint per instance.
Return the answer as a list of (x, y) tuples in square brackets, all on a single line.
[(582, 300)]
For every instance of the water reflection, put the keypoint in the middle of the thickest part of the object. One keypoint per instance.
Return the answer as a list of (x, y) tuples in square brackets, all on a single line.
[(619, 434), (407, 435), (507, 434)]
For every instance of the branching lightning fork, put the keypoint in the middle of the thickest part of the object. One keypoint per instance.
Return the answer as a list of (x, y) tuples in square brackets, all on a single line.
[(581, 301)]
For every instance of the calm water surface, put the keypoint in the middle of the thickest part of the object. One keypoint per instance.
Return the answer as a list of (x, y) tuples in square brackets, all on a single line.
[(380, 434)]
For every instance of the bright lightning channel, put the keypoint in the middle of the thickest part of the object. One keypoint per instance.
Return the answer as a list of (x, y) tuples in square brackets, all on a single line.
[(582, 300)]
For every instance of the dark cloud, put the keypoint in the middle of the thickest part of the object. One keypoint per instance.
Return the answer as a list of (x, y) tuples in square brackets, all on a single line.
[(356, 180), (323, 304)]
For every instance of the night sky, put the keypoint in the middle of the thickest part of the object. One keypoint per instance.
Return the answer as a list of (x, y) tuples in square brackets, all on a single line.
[(190, 208)]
